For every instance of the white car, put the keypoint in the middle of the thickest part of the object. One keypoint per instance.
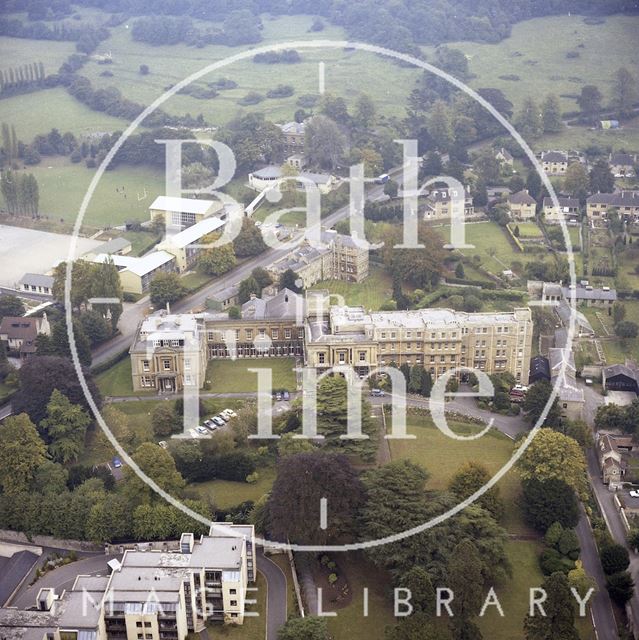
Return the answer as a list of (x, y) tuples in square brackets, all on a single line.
[(163, 444), (202, 430), (218, 421), (230, 413), (634, 493)]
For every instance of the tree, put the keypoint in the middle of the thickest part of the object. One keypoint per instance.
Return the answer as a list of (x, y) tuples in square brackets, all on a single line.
[(418, 582), (324, 142), (166, 288), (11, 306), (601, 178), (22, 453), (559, 606), (302, 481), (626, 329), (249, 241), (468, 479), (580, 580), (618, 312), (391, 189), (533, 184), (248, 287), (624, 92), (65, 426), (466, 581), (551, 115), (554, 456), (589, 100), (528, 120), (576, 181), (289, 446), (290, 280), (39, 376), (262, 277), (309, 628), (254, 140), (536, 400), (364, 111), (459, 270), (159, 465), (416, 377), (439, 126), (545, 502), (620, 587), (614, 558), (216, 261), (164, 420)]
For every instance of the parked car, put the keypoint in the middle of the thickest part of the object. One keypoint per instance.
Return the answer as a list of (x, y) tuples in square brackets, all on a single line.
[(202, 430), (193, 433), (218, 421), (278, 396), (383, 179), (163, 444), (117, 463), (223, 416), (377, 393), (209, 423), (634, 493), (230, 413), (286, 396)]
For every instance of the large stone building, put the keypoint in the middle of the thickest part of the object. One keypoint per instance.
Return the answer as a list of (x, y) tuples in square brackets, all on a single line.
[(438, 339), (149, 595), (340, 259), (438, 205)]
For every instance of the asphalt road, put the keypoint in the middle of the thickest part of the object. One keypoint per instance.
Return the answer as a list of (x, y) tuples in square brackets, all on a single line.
[(276, 597)]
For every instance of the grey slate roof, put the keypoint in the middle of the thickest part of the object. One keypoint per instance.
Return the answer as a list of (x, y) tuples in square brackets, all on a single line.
[(617, 199), (37, 279), (521, 197), (581, 293), (286, 304), (554, 156)]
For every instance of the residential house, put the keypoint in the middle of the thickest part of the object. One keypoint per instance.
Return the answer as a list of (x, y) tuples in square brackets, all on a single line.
[(168, 353), (294, 136), (554, 163), (341, 258), (551, 292), (622, 165), (626, 203), (568, 210), (37, 283), (180, 213), (591, 296), (504, 156), (187, 245), (297, 161), (522, 205), (19, 334), (563, 374), (611, 462), (439, 205), (136, 274), (620, 377)]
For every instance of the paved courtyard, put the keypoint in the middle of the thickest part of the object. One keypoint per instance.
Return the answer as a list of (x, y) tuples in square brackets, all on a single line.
[(30, 251)]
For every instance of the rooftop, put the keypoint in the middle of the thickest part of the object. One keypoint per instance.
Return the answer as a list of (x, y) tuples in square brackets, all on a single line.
[(584, 293), (112, 246), (37, 279), (196, 232), (184, 205), (554, 156), (521, 197), (617, 199), (139, 266), (285, 304)]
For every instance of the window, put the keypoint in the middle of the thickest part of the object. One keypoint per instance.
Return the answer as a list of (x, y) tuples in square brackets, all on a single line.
[(362, 356), (147, 624), (249, 334), (300, 333), (233, 603), (145, 365), (262, 332), (393, 334), (146, 381), (166, 365), (233, 591), (383, 335), (275, 334), (287, 333), (138, 624), (187, 364), (321, 358), (342, 357), (408, 334)]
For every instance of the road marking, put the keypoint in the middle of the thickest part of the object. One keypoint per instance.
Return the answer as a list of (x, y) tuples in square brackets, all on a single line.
[(323, 513)]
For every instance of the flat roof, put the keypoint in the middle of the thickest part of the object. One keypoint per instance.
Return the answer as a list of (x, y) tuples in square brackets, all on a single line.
[(184, 205), (195, 232), (139, 266)]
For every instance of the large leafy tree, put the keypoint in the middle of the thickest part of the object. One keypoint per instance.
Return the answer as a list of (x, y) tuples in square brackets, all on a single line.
[(589, 99), (553, 456), (559, 621), (551, 115), (22, 453), (302, 481), (11, 306), (547, 501), (470, 477), (65, 426), (39, 376), (528, 121), (253, 140), (166, 288), (325, 144), (536, 400), (466, 581), (249, 241), (576, 181), (624, 92), (601, 178), (216, 261)]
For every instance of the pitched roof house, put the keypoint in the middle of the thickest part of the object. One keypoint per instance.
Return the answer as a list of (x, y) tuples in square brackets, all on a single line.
[(20, 334), (622, 165), (554, 163), (626, 202), (522, 205)]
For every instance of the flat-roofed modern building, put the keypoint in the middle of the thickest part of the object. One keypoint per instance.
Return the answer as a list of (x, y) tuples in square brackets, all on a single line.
[(180, 213), (136, 274), (186, 245)]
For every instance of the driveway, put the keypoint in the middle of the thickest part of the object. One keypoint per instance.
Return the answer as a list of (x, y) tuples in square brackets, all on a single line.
[(277, 594)]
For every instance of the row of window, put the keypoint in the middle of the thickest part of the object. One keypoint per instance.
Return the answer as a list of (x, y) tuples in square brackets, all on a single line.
[(287, 334)]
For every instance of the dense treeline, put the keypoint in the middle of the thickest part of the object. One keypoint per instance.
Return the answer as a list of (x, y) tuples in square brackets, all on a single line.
[(17, 79), (20, 192)]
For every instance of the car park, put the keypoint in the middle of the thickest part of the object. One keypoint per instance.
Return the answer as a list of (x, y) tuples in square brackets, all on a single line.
[(230, 413), (218, 421), (202, 430), (223, 416)]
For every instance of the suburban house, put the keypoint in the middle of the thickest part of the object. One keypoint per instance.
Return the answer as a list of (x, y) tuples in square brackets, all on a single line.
[(136, 274), (164, 594), (36, 283), (568, 210), (554, 163), (168, 353), (504, 156), (591, 296), (563, 373), (293, 136), (180, 213), (620, 377), (19, 334), (622, 165), (539, 369), (439, 205), (551, 292), (626, 203), (187, 245), (522, 205), (341, 258), (271, 176), (116, 246), (611, 461)]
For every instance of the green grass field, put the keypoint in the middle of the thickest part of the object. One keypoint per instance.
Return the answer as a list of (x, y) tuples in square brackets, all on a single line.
[(116, 381), (226, 494), (371, 293), (232, 376), (527, 230), (615, 349)]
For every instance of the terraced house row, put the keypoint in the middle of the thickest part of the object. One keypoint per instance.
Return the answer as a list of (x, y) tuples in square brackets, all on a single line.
[(171, 350)]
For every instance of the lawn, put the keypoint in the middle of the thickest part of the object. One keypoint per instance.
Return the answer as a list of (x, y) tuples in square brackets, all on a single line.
[(442, 457), (116, 381), (232, 376), (63, 186), (527, 229), (254, 627), (226, 494), (615, 349), (371, 293)]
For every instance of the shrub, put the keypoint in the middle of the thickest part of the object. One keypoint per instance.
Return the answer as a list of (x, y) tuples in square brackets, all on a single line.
[(620, 587), (332, 578), (614, 558)]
